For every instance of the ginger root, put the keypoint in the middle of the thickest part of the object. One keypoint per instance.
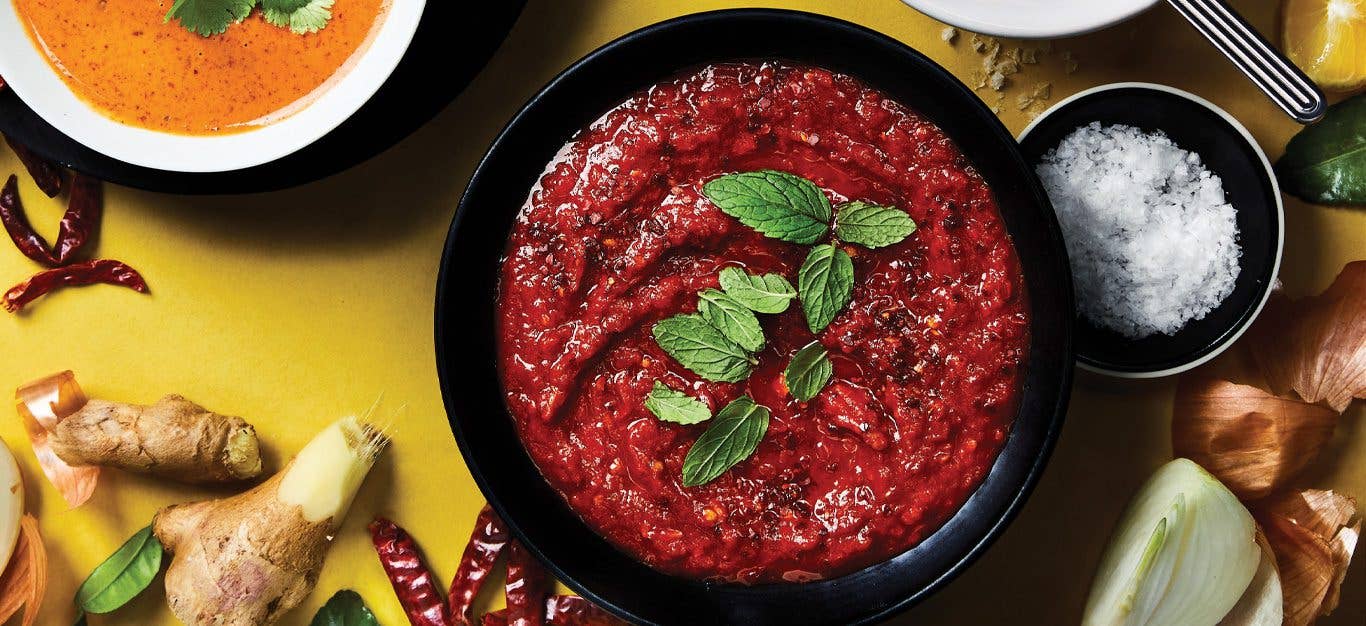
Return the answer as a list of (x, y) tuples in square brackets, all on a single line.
[(174, 438), (248, 559)]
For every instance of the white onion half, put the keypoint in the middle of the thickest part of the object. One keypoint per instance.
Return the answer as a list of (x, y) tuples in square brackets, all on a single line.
[(1182, 554), (11, 503)]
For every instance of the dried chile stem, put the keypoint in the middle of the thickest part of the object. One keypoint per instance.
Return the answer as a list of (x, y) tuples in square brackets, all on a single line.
[(412, 581), (45, 173), (98, 271), (83, 212), (20, 231), (487, 541)]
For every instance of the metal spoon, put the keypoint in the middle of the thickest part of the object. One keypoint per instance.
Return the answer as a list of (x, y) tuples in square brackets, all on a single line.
[(1284, 83)]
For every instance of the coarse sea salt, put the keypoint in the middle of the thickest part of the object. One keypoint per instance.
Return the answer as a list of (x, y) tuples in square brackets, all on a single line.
[(1152, 240)]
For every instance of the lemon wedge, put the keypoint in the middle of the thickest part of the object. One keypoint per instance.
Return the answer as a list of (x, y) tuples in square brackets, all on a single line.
[(1327, 39)]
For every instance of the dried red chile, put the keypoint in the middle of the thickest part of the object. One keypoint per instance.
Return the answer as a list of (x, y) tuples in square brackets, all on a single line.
[(20, 231), (98, 271), (412, 581)]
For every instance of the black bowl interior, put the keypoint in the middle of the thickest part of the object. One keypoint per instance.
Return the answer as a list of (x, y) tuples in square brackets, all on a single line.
[(1247, 185), (467, 292)]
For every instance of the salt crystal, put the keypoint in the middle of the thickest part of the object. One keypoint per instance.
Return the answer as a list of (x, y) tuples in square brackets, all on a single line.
[(1152, 240), (949, 34)]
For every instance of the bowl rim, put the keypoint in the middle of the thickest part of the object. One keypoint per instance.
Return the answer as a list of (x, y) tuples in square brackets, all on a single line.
[(976, 19), (1266, 169), (29, 73), (1052, 408)]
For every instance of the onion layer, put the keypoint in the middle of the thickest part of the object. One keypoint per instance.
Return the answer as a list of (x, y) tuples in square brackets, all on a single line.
[(43, 404)]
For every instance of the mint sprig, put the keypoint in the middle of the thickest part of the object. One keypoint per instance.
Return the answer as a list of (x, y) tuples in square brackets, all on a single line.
[(733, 319), (733, 436), (770, 293), (675, 406), (702, 348), (809, 372), (872, 225), (825, 284), (777, 204)]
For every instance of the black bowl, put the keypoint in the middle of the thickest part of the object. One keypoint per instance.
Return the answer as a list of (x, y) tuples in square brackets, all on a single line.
[(467, 292), (1227, 150)]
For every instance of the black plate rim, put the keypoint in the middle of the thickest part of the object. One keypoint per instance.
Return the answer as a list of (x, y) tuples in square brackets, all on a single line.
[(1266, 172), (1048, 437)]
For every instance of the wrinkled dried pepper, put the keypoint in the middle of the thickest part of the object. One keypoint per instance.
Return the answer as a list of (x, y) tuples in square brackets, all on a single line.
[(45, 173), (99, 271), (412, 581), (487, 541), (20, 231), (528, 584), (83, 212), (564, 611)]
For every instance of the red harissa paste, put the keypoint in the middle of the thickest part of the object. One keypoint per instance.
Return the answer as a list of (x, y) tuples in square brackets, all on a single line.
[(928, 356)]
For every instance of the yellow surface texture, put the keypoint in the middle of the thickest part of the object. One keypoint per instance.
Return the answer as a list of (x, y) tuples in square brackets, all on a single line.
[(294, 308)]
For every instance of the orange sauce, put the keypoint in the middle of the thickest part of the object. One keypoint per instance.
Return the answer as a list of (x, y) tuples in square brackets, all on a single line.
[(123, 59)]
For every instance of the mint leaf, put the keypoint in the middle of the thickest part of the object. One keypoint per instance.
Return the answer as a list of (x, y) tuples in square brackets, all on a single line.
[(700, 347), (732, 437), (733, 319), (808, 372), (777, 204), (825, 283), (676, 406), (872, 225), (769, 293), (209, 17), (301, 17), (345, 608)]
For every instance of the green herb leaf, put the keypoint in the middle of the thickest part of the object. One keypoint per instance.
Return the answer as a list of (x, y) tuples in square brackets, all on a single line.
[(808, 372), (700, 347), (1326, 162), (824, 283), (123, 575), (209, 17), (733, 319), (733, 435), (676, 406), (872, 225), (769, 293), (777, 204), (344, 608), (302, 17)]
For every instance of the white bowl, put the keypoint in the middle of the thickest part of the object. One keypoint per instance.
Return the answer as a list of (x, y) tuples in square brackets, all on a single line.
[(1031, 19), (28, 73)]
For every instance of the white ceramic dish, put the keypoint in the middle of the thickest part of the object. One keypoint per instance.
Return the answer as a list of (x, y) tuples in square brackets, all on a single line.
[(1031, 19), (28, 73)]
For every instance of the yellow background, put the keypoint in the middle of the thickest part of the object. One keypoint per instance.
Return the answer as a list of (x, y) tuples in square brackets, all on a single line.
[(294, 308)]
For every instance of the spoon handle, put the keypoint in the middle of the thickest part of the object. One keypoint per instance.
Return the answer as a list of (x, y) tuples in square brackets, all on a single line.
[(1284, 83)]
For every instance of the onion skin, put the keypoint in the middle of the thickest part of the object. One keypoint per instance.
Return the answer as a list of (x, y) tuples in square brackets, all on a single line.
[(1252, 441), (1314, 534)]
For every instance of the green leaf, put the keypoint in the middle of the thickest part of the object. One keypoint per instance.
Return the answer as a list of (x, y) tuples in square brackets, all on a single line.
[(1326, 162), (209, 17), (344, 608), (700, 347), (872, 225), (769, 293), (808, 372), (733, 319), (824, 283), (676, 406), (304, 18), (733, 435), (123, 575), (777, 204)]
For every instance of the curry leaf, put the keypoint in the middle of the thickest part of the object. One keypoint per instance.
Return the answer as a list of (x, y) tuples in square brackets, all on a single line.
[(344, 608), (123, 575), (808, 372), (769, 293), (733, 319), (777, 204), (825, 283), (676, 406), (700, 347), (733, 436), (1326, 163), (872, 225), (209, 17)]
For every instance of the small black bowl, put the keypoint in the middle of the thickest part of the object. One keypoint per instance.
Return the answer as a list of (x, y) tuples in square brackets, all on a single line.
[(1227, 150), (467, 348)]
